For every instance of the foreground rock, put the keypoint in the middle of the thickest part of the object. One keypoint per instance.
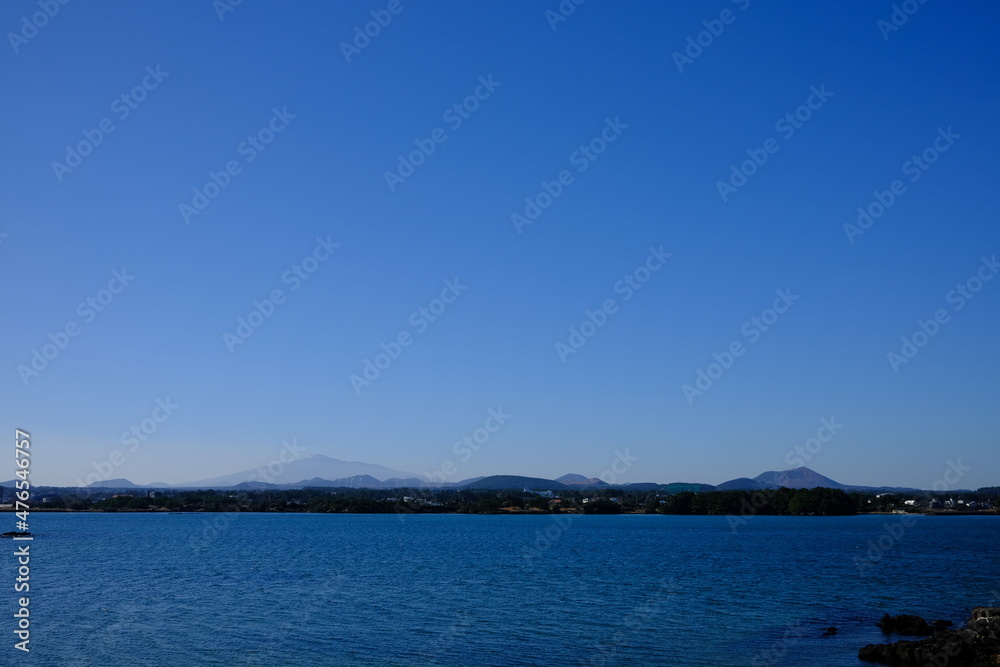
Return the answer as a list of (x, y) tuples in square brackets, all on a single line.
[(977, 645), (905, 624)]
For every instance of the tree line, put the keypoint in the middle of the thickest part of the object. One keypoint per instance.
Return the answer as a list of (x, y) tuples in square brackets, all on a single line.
[(779, 502)]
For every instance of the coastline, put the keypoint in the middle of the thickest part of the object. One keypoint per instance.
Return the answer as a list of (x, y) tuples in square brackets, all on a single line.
[(502, 512)]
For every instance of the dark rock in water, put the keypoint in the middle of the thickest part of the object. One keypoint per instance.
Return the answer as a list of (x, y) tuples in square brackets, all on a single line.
[(905, 624), (15, 533), (941, 625), (978, 645), (830, 631)]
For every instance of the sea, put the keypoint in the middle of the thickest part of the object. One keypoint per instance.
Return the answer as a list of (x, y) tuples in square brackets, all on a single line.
[(162, 589)]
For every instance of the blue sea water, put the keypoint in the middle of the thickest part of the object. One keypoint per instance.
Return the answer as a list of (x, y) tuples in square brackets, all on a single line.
[(343, 589)]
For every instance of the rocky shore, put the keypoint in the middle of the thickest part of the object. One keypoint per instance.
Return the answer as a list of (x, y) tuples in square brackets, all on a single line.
[(976, 645)]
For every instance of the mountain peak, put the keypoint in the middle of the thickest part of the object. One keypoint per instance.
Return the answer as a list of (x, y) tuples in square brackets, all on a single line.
[(573, 479), (307, 467), (797, 478), (120, 483)]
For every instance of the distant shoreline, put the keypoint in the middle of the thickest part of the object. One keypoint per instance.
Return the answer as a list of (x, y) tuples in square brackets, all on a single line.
[(739, 505), (496, 513)]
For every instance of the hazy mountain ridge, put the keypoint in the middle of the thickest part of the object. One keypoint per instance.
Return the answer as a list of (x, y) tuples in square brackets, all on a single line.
[(315, 471), (306, 468), (120, 483)]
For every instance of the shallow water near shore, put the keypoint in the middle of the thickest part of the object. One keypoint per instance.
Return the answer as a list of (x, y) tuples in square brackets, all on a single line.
[(349, 589)]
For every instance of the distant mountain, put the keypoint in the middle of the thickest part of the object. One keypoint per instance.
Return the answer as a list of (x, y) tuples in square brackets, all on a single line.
[(892, 489), (579, 480), (504, 482), (308, 467), (742, 484), (120, 483), (803, 478), (317, 470), (796, 478), (399, 483), (679, 487), (356, 482), (572, 478), (252, 486), (364, 482)]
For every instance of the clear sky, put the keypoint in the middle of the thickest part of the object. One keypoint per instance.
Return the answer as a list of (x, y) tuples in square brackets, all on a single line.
[(309, 117)]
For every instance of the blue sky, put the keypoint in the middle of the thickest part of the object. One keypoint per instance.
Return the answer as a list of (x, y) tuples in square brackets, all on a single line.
[(342, 123)]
